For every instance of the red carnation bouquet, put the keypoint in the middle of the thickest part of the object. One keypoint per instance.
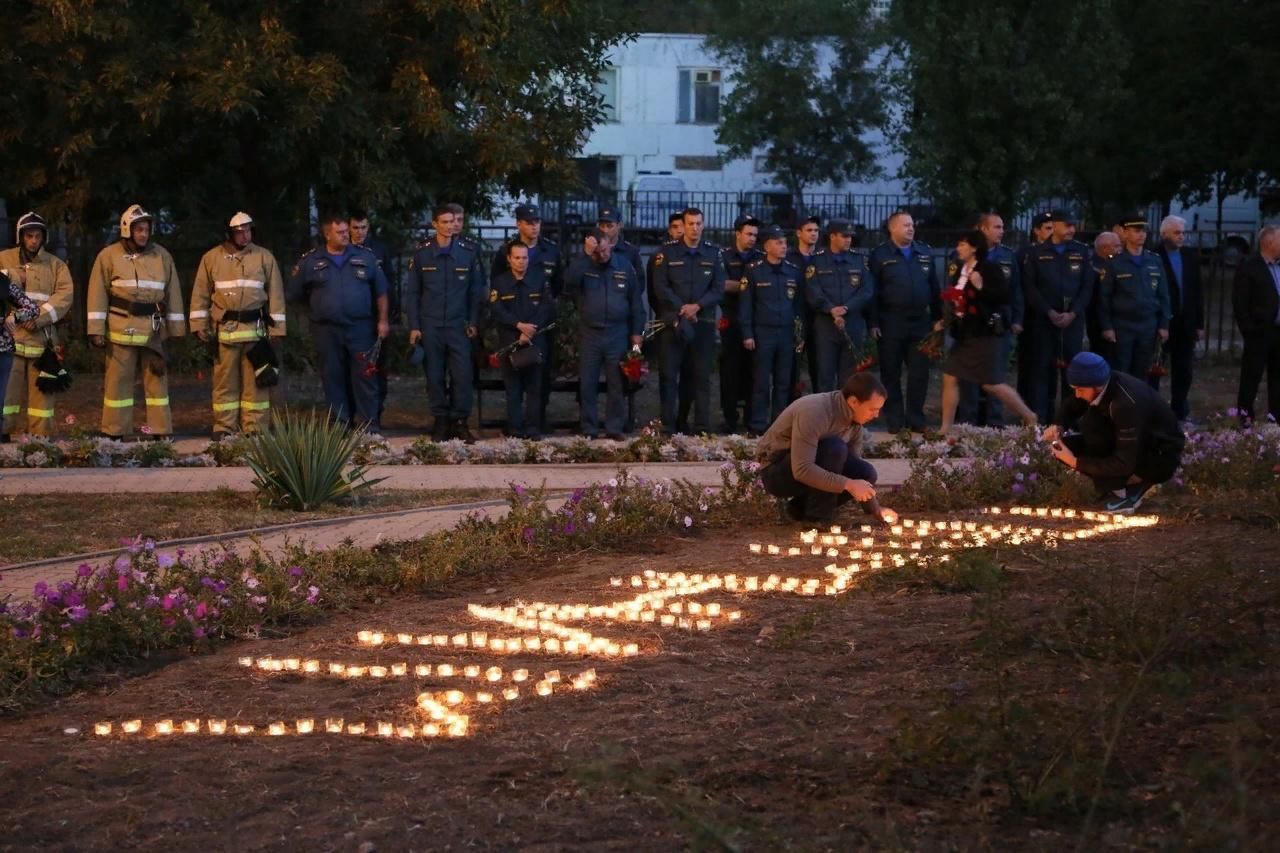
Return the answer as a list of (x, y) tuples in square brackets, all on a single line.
[(370, 359), (1157, 368)]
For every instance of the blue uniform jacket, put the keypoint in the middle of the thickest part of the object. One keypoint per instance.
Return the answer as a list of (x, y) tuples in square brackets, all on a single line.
[(445, 288), (735, 269), (1062, 280), (340, 293), (907, 293), (770, 297), (834, 280), (684, 276), (527, 300), (1134, 293), (607, 295), (1011, 266)]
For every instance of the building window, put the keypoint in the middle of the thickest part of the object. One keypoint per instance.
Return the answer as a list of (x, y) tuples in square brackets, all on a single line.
[(607, 90), (699, 101)]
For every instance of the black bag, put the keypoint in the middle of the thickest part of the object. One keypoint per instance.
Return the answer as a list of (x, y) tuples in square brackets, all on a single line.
[(525, 356), (262, 358), (53, 376)]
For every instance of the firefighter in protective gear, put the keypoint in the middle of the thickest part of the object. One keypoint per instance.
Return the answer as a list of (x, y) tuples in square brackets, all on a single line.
[(47, 282), (238, 295), (134, 304)]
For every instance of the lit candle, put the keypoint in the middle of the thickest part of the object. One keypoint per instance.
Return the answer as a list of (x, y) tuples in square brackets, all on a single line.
[(422, 669), (484, 698), (337, 669), (376, 638), (365, 637), (190, 727), (292, 664), (544, 688), (131, 726), (378, 671), (276, 729), (630, 650), (405, 639), (246, 661), (444, 670), (520, 675), (311, 666), (405, 731), (471, 671), (217, 727), (333, 725), (793, 552), (355, 672), (755, 547), (431, 730), (242, 729), (399, 669), (355, 728), (454, 697), (511, 694), (305, 727), (102, 729), (386, 730)]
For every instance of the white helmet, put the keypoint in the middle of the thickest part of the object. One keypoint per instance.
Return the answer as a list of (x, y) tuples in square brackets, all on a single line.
[(135, 213), (30, 219), (240, 220)]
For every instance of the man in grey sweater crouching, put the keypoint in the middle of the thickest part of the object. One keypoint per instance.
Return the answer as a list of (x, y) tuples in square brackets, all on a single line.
[(812, 454)]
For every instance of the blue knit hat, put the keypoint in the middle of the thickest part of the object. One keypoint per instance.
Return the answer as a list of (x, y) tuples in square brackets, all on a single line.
[(1088, 370)]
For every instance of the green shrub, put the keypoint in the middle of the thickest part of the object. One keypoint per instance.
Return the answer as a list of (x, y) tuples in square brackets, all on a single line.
[(303, 461)]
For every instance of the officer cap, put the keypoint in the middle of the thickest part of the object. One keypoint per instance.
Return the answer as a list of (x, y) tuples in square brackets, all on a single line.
[(843, 227), (1063, 215), (773, 232), (745, 219), (803, 222), (1041, 219), (528, 213), (1133, 220), (608, 214), (678, 216)]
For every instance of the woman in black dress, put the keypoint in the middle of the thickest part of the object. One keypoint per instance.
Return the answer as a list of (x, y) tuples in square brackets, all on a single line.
[(974, 304)]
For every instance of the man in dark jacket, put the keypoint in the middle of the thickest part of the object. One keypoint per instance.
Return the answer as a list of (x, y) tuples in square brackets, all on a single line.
[(1186, 329), (1117, 431), (1256, 300)]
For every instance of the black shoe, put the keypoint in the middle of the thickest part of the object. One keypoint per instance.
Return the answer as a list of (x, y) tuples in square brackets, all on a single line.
[(462, 431), (4, 438), (616, 436), (440, 430)]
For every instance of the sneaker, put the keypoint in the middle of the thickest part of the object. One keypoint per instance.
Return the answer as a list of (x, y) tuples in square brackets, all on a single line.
[(1132, 499)]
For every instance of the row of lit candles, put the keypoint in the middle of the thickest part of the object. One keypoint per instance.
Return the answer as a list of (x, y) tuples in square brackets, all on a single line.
[(457, 727), (395, 670)]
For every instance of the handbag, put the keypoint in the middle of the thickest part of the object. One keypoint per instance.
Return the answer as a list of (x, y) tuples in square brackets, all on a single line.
[(525, 356)]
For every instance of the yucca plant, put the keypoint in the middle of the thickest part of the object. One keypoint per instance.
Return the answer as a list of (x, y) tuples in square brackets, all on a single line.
[(302, 461)]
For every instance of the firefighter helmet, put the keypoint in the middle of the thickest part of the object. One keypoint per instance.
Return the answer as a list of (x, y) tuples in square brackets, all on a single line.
[(240, 220), (135, 213), (30, 219)]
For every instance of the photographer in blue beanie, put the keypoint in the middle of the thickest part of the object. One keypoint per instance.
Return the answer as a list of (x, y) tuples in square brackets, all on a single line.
[(1117, 431)]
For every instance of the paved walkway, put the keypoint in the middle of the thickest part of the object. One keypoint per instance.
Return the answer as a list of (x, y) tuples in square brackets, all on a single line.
[(362, 530)]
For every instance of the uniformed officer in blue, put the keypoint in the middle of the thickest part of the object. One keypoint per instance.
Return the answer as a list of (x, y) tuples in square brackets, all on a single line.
[(839, 288), (808, 235), (1135, 310), (688, 281), (544, 255), (521, 305), (976, 406), (610, 315), (772, 290), (736, 364), (906, 305), (609, 221), (346, 293), (442, 305), (1057, 283), (1041, 228)]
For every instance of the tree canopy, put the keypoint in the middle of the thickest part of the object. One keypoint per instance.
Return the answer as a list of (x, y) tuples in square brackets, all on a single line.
[(803, 91), (203, 108)]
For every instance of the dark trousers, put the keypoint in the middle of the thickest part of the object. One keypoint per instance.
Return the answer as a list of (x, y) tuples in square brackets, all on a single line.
[(1261, 356), (736, 379), (1181, 350), (1047, 345), (673, 353), (831, 354), (1154, 465), (352, 397), (524, 395), (448, 352), (1134, 351), (774, 355), (601, 349), (976, 405), (897, 351), (807, 502)]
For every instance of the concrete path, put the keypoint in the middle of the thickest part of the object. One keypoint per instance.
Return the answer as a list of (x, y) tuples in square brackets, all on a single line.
[(363, 530)]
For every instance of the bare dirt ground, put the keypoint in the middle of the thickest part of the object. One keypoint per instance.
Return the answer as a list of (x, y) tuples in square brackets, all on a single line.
[(810, 723)]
